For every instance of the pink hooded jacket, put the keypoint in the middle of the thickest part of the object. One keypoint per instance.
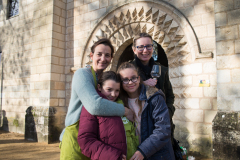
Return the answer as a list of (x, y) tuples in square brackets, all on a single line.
[(101, 138)]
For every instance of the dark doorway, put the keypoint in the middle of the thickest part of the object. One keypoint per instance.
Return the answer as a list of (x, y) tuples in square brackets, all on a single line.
[(159, 55)]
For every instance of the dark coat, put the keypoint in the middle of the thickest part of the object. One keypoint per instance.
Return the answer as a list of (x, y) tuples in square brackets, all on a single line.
[(101, 138), (163, 83), (155, 128)]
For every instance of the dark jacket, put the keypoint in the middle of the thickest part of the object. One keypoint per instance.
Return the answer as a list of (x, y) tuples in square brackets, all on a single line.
[(101, 138), (155, 128), (163, 83)]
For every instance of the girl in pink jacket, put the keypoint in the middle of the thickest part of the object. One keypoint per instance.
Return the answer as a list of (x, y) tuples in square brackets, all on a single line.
[(103, 138)]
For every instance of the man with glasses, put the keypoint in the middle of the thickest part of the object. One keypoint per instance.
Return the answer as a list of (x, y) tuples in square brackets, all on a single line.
[(143, 49)]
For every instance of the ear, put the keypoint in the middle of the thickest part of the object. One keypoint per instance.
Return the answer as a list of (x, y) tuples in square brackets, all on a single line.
[(91, 55), (99, 87)]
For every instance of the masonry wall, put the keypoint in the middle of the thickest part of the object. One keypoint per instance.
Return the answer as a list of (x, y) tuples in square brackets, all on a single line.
[(15, 41), (195, 106), (226, 124), (33, 47)]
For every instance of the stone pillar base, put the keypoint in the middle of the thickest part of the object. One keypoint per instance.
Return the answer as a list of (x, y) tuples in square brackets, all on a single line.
[(226, 136)]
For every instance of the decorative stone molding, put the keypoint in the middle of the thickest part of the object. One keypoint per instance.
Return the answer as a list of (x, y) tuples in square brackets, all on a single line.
[(168, 26)]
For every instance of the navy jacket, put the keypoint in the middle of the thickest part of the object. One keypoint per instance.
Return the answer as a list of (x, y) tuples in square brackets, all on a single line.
[(155, 127)]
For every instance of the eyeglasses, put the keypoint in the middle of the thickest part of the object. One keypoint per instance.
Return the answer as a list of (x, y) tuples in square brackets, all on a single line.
[(148, 47), (133, 79)]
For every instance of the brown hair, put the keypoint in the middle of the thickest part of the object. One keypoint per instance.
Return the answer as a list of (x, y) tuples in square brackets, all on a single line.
[(141, 35), (123, 94), (109, 75), (105, 42)]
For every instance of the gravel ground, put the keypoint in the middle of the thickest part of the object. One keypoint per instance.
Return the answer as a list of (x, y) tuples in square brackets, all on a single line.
[(14, 146)]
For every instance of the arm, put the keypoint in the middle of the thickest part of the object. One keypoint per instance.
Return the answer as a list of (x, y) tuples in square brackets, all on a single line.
[(161, 133), (89, 142), (83, 86)]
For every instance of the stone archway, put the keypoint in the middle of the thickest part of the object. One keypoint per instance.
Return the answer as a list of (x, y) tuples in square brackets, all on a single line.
[(168, 27), (166, 24)]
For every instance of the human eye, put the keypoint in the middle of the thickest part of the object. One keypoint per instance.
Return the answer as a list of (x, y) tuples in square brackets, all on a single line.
[(149, 46), (125, 80), (99, 54), (140, 47), (107, 55), (134, 79)]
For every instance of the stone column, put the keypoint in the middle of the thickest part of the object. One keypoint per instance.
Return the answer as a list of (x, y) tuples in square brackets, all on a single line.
[(47, 82), (226, 124)]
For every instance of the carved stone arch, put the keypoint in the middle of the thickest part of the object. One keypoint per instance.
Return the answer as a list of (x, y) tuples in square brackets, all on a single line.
[(165, 23)]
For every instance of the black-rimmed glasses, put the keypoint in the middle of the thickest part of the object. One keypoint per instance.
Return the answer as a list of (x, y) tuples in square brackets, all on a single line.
[(126, 80), (148, 47)]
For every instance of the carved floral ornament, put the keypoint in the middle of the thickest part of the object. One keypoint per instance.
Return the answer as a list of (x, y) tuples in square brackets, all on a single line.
[(165, 24)]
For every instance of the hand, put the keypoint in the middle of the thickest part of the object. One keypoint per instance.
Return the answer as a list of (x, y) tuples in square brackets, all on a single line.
[(129, 114), (124, 157), (137, 156), (150, 82)]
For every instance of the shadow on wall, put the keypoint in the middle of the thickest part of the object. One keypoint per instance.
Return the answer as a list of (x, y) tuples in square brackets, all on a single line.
[(30, 127), (4, 121)]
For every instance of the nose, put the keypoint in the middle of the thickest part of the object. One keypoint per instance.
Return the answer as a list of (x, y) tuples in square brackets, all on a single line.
[(103, 57), (145, 49), (113, 94)]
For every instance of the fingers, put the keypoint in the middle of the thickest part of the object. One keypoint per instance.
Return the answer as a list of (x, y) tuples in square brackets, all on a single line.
[(150, 82)]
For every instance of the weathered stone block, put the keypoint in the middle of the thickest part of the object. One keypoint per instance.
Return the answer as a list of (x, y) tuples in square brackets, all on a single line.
[(93, 6), (235, 76), (195, 20), (226, 135), (233, 17), (227, 33), (211, 29), (209, 116), (103, 3), (202, 128), (223, 61), (224, 76), (225, 47), (237, 46), (208, 43), (236, 103), (199, 9), (189, 115), (201, 31), (94, 14), (205, 104), (223, 5), (210, 91), (209, 67)]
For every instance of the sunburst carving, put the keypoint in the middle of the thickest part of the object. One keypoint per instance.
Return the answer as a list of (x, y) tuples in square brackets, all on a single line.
[(161, 26)]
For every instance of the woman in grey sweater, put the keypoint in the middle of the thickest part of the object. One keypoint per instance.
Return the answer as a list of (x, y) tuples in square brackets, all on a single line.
[(84, 90)]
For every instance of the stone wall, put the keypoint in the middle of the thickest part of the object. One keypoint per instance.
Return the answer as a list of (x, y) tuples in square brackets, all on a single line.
[(33, 46), (15, 42), (195, 106), (226, 124)]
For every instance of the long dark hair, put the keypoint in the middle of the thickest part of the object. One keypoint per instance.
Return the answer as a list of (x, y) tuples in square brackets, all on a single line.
[(109, 75), (123, 94)]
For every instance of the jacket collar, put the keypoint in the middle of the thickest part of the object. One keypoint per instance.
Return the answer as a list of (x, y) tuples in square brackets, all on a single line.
[(143, 94)]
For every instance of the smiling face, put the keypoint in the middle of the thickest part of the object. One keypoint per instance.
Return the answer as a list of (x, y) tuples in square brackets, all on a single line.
[(131, 87), (101, 57), (110, 89), (144, 55)]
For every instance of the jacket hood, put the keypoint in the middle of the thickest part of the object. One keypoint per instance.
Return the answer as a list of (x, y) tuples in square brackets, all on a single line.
[(148, 92)]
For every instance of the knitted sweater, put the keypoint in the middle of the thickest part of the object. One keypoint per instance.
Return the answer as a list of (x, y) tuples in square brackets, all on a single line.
[(84, 93)]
